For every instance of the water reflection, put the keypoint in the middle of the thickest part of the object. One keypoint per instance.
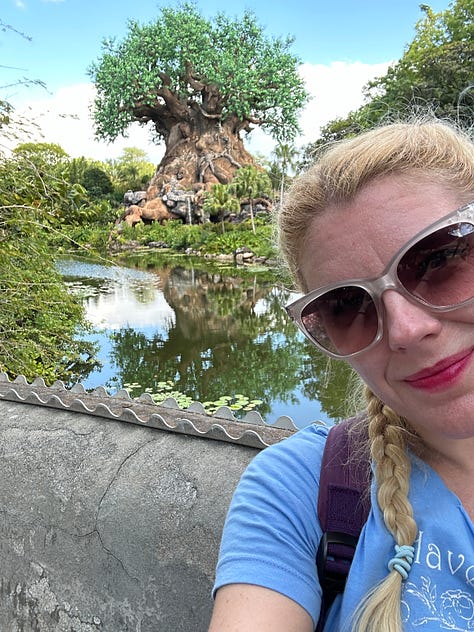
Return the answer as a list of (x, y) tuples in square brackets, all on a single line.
[(210, 333), (116, 297)]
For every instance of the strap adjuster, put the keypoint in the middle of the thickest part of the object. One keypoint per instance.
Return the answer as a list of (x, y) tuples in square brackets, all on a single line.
[(334, 557)]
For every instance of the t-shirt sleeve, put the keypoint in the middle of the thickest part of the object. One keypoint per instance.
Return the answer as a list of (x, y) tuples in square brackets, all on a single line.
[(272, 532)]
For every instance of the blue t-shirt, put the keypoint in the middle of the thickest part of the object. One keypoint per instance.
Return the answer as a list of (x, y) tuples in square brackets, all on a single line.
[(272, 534)]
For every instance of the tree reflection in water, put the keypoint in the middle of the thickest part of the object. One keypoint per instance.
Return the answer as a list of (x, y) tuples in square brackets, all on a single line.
[(224, 334)]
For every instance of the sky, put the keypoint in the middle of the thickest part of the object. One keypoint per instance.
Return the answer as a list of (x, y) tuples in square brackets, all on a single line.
[(341, 44)]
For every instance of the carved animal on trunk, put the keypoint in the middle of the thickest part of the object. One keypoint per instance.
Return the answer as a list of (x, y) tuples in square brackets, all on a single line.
[(152, 211)]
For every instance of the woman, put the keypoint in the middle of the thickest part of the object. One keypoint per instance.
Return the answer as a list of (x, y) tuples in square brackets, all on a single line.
[(371, 234)]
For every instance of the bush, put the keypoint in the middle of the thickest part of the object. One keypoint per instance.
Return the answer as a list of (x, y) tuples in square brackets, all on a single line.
[(205, 238), (241, 236), (174, 234), (97, 182), (40, 320)]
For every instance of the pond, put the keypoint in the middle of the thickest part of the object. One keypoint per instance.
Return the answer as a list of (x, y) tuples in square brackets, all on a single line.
[(204, 334)]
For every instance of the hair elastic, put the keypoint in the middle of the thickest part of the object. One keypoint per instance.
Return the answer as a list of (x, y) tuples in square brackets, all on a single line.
[(403, 559)]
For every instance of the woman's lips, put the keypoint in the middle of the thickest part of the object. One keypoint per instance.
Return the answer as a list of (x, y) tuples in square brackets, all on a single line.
[(441, 375)]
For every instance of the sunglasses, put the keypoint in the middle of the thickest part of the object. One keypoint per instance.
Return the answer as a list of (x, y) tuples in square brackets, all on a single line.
[(434, 269)]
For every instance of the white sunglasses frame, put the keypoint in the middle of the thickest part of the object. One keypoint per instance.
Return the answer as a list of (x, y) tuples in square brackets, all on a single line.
[(388, 280)]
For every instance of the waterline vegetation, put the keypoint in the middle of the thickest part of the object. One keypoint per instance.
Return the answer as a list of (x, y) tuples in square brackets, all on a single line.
[(166, 390), (51, 204)]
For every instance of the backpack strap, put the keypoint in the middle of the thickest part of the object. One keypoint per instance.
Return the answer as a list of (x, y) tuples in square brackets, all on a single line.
[(343, 506)]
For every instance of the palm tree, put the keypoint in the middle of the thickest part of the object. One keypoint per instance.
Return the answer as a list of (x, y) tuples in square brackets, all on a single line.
[(249, 182), (219, 200), (286, 155)]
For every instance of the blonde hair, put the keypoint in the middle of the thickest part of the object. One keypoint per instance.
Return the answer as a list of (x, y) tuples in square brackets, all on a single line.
[(419, 149)]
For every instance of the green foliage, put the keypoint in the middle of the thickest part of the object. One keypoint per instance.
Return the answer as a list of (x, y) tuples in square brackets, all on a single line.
[(220, 201), (77, 167), (80, 191), (94, 235), (41, 154), (224, 243), (286, 156), (38, 174), (130, 171), (40, 320), (185, 62), (112, 178), (259, 242), (96, 181), (434, 71), (92, 175), (166, 390), (434, 75), (174, 234), (250, 182), (207, 238), (40, 323), (5, 112), (273, 170), (236, 403)]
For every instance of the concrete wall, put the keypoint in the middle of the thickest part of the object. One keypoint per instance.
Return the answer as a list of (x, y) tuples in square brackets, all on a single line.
[(106, 525)]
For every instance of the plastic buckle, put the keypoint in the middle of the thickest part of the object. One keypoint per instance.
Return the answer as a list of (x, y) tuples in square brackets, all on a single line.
[(333, 581)]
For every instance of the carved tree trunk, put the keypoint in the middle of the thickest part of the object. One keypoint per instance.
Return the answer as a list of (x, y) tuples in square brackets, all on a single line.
[(203, 144), (200, 152)]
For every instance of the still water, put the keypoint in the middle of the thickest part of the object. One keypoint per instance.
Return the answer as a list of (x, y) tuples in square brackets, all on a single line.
[(205, 333)]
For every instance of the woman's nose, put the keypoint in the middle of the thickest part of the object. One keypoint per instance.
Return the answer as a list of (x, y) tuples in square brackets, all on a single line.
[(407, 324)]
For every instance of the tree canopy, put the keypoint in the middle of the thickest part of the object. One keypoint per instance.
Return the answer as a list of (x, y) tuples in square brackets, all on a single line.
[(131, 170), (434, 75), (435, 70), (183, 65)]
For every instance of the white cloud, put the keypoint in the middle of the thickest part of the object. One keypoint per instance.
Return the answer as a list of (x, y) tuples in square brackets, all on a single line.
[(20, 4), (64, 118), (336, 90), (120, 308)]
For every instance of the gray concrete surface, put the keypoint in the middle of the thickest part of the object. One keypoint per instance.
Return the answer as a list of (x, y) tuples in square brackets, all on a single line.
[(108, 526)]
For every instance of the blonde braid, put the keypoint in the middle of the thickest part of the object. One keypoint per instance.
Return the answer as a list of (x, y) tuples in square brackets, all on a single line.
[(380, 610)]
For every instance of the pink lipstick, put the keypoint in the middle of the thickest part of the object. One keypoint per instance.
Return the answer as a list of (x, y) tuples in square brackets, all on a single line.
[(441, 375)]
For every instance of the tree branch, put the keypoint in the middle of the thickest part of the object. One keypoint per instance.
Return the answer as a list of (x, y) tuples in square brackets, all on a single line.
[(166, 79), (206, 114), (194, 82)]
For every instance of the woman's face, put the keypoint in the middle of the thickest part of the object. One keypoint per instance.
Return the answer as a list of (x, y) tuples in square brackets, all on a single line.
[(423, 367)]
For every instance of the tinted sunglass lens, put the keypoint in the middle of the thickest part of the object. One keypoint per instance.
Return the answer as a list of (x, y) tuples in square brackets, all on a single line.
[(343, 321), (439, 268)]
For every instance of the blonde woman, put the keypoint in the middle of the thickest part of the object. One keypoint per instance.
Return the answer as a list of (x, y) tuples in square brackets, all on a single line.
[(379, 236)]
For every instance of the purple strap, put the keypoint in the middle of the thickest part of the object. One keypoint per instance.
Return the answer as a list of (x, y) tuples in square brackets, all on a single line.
[(343, 504)]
